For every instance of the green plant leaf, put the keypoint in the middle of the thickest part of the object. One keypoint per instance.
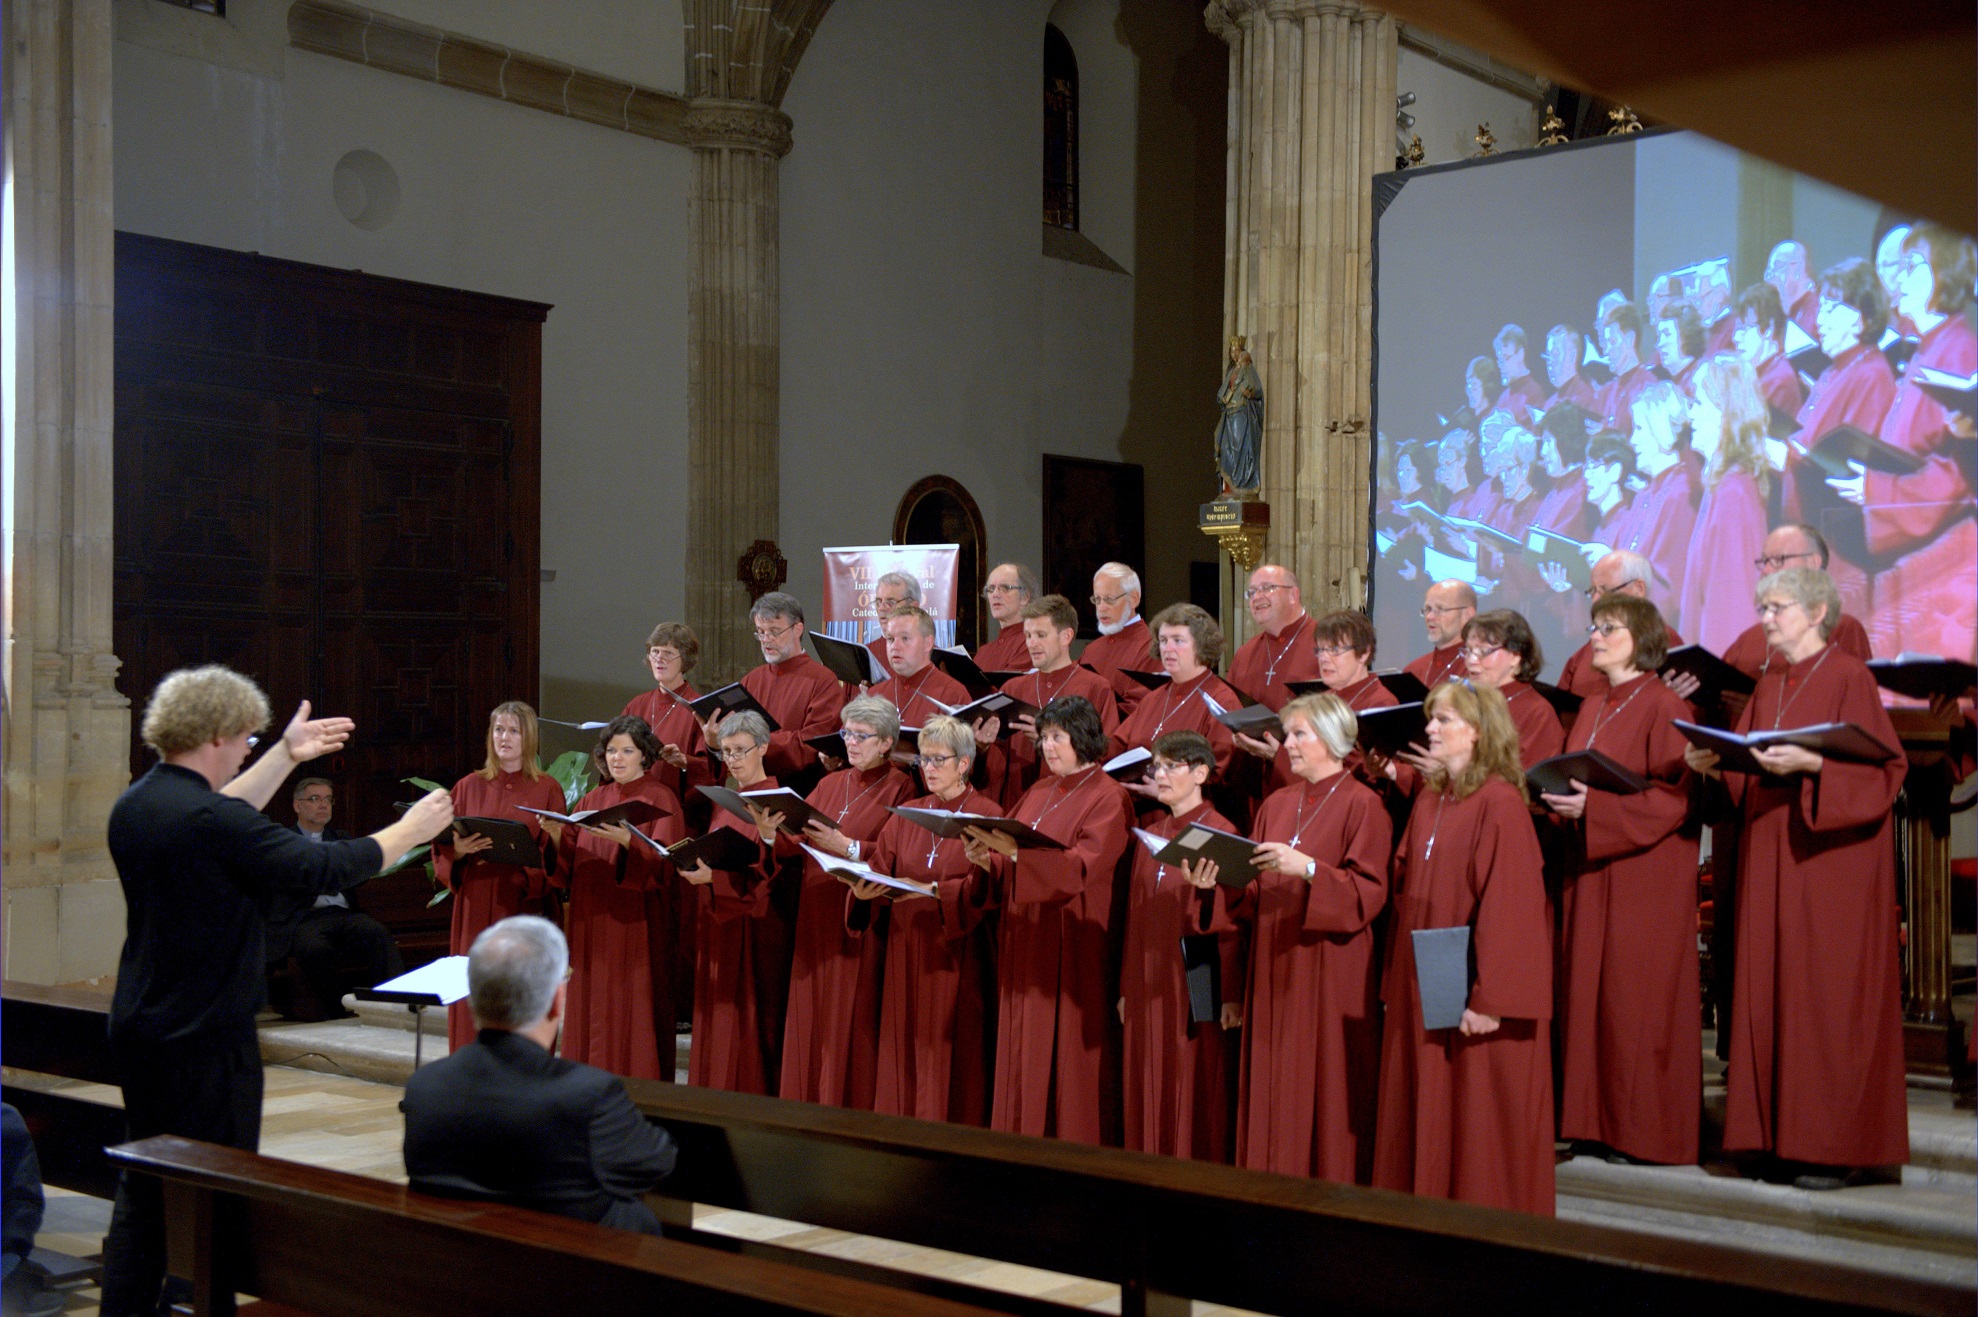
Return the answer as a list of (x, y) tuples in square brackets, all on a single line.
[(423, 784), (572, 771), (439, 896), (413, 856)]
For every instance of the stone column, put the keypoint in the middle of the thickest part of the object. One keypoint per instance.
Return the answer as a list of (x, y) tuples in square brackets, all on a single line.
[(740, 57), (67, 732), (1311, 96)]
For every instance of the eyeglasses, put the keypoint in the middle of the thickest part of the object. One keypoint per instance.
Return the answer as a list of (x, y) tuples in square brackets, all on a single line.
[(315, 800), (738, 755), (777, 634), (994, 588), (1106, 599), (1479, 655), (1774, 609), (936, 761), (1168, 768), (1333, 651), (1259, 591), (1605, 628), (858, 738), (1772, 562), (1432, 610)]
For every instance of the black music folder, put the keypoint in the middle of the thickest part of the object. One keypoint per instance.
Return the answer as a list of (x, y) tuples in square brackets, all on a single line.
[(513, 842), (731, 698), (1543, 546), (1843, 741), (1129, 765), (965, 670), (1391, 730), (995, 704), (724, 848), (831, 744), (1564, 702), (943, 824), (1920, 676), (1555, 776), (796, 811), (1198, 842), (1844, 443), (629, 812), (1253, 720), (1403, 685), (1151, 680), (1442, 974), (1714, 676), (847, 659), (1201, 971), (1957, 392)]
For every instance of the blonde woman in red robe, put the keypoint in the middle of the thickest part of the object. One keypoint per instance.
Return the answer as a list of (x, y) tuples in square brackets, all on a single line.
[(1175, 1067), (1057, 1038), (936, 1022), (620, 1016), (1728, 418), (484, 891), (1466, 1112), (1630, 1025), (1310, 1072), (1816, 1068), (831, 1028), (742, 936)]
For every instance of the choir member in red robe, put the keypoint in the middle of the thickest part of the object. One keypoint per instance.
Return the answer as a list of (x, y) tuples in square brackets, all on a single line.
[(1472, 493), (1345, 644), (937, 1018), (1789, 272), (1791, 545), (1727, 433), (484, 891), (1123, 641), (1621, 571), (742, 944), (1310, 1075), (1610, 503), (671, 652), (1926, 599), (621, 1015), (1621, 338), (1190, 644), (801, 694), (1009, 763), (1564, 347), (1816, 1068), (1446, 609), (1175, 1068), (1483, 390), (1500, 651), (1680, 340), (917, 688), (1279, 653), (1759, 336), (1857, 389), (1057, 1038), (831, 1026), (1509, 346), (1466, 1113), (1562, 453), (1009, 588), (1665, 511), (1629, 1017)]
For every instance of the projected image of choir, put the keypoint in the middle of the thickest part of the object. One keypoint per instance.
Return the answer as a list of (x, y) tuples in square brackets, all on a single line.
[(1688, 425)]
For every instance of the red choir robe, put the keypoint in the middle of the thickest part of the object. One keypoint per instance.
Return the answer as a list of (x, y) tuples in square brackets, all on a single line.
[(1310, 1071), (1438, 666), (1477, 503), (804, 697), (485, 892), (1527, 393), (1816, 1068), (1564, 507), (936, 1018), (831, 1025), (742, 967), (1858, 390), (1132, 646), (1780, 384), (1718, 335), (1009, 767), (1663, 519), (666, 712), (620, 1016), (1718, 571), (1179, 707), (1805, 312), (1057, 1041), (916, 696), (1750, 654), (1006, 653), (1628, 1013), (1577, 391), (1261, 667), (1614, 525), (1174, 1071), (1366, 693), (880, 664), (1617, 399), (1926, 599), (1470, 1118), (1540, 734)]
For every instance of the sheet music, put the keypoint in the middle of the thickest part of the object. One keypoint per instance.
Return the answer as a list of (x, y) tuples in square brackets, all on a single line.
[(445, 978)]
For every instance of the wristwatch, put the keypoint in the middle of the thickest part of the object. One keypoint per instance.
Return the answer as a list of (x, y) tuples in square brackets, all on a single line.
[(853, 848), (1311, 869)]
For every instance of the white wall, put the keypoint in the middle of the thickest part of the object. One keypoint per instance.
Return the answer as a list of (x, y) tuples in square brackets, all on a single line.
[(1108, 84), (494, 198), (1450, 104)]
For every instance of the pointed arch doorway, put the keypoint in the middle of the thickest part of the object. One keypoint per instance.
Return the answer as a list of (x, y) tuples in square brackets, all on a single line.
[(940, 510)]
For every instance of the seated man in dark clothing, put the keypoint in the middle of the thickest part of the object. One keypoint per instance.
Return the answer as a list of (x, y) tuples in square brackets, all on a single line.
[(324, 931), (503, 1120)]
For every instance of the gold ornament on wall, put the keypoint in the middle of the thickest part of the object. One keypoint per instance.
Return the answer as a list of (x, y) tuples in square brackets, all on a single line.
[(1624, 121), (1552, 130), (761, 568), (1486, 142), (1415, 153)]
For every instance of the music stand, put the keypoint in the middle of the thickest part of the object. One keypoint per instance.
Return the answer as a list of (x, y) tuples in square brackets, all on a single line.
[(441, 983)]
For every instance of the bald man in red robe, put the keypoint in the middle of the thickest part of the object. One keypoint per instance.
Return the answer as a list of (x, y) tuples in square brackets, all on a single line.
[(1446, 609), (1009, 588)]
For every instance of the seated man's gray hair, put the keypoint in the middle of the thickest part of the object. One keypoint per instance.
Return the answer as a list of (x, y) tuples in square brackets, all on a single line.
[(907, 585), (777, 604), (513, 970)]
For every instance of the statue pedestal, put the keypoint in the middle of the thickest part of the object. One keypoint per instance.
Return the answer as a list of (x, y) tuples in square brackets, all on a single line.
[(1240, 527)]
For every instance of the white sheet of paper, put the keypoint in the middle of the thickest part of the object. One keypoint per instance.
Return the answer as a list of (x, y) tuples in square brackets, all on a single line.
[(445, 978)]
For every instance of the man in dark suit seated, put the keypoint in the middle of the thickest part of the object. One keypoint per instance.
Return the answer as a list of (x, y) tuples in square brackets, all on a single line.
[(504, 1120), (325, 933)]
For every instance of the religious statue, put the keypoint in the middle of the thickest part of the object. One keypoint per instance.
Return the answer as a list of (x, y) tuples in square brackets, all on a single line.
[(1240, 431)]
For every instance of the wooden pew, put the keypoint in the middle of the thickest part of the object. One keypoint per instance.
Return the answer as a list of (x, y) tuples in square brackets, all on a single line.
[(1167, 1230), (63, 1032), (338, 1245)]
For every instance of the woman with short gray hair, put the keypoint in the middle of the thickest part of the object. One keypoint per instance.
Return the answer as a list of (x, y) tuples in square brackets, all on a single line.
[(1816, 1073), (831, 1031), (936, 1019)]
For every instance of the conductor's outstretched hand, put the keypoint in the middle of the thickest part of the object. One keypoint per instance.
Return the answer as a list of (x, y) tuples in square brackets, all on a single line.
[(307, 738), (430, 815)]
